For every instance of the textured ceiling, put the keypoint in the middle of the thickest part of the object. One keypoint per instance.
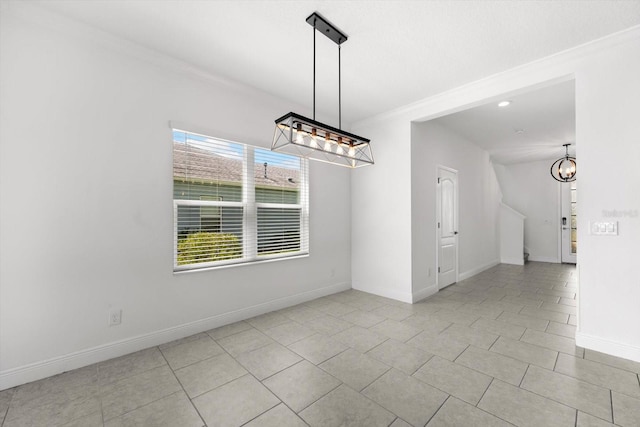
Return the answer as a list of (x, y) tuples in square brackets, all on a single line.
[(398, 52)]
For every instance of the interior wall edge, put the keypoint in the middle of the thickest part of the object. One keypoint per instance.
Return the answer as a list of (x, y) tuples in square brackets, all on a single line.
[(608, 346)]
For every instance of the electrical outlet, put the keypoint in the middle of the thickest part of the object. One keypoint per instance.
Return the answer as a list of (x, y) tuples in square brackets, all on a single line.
[(115, 316)]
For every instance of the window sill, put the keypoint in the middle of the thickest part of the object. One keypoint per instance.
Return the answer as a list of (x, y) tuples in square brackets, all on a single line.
[(240, 264)]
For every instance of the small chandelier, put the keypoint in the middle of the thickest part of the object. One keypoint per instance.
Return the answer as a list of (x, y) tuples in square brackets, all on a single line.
[(564, 169), (302, 136)]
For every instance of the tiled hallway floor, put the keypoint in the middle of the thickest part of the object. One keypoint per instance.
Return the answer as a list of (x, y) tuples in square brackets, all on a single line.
[(496, 349)]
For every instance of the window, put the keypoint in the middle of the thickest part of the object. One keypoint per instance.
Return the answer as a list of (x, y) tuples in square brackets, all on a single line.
[(234, 203)]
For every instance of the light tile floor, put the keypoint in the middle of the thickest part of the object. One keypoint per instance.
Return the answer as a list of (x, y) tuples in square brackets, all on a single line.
[(495, 349)]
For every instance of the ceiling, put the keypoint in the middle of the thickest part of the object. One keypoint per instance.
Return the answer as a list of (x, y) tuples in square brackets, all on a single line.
[(398, 52), (532, 127)]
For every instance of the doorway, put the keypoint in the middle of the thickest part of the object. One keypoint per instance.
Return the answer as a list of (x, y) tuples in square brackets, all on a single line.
[(568, 223), (447, 226)]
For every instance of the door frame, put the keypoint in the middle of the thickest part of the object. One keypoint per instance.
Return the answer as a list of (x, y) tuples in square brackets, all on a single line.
[(561, 243), (438, 219)]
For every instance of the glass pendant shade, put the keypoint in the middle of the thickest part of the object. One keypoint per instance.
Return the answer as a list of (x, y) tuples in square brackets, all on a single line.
[(301, 136), (564, 169)]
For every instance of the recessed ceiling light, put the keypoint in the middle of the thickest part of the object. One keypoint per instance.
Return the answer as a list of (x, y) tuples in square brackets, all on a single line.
[(504, 103), (519, 131)]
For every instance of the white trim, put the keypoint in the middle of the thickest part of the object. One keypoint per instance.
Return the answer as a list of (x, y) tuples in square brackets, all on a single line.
[(424, 293), (387, 293), (512, 261), (35, 371), (513, 211), (478, 270), (607, 346), (559, 59), (537, 258)]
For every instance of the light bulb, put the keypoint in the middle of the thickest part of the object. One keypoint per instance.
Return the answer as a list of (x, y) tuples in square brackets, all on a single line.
[(352, 151), (299, 134), (339, 149), (327, 142), (314, 137)]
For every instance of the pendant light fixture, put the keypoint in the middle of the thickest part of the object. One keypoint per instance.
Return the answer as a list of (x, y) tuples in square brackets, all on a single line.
[(564, 169), (302, 136)]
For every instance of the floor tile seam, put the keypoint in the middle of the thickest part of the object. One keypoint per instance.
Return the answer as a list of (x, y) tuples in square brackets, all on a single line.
[(230, 335), (608, 387), (421, 366), (549, 348), (378, 377), (568, 405), (331, 357), (449, 393), (204, 333), (340, 382), (142, 406), (101, 385), (302, 359), (280, 324), (263, 412), (525, 374), (202, 360), (611, 366), (196, 362), (218, 386), (253, 349), (438, 410)]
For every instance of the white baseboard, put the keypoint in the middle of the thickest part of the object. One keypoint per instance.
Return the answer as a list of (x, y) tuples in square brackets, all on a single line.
[(535, 258), (603, 345), (424, 293), (512, 261), (384, 292), (477, 270), (46, 368)]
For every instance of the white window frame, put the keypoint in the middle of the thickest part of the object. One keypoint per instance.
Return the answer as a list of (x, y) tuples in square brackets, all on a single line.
[(250, 218)]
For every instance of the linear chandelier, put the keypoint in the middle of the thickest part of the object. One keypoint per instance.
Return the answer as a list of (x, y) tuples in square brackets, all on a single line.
[(564, 169), (302, 136)]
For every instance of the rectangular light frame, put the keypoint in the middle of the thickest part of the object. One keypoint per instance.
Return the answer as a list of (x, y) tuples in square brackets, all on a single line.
[(305, 137)]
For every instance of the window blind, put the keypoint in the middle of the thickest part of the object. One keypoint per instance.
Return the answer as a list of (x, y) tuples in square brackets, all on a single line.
[(234, 203)]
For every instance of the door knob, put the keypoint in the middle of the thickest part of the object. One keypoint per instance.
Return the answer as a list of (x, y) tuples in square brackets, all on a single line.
[(455, 232)]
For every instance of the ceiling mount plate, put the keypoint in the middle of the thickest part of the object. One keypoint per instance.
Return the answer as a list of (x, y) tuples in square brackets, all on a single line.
[(326, 28)]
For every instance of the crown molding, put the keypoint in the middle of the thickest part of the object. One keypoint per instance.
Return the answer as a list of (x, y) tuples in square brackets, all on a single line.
[(445, 102)]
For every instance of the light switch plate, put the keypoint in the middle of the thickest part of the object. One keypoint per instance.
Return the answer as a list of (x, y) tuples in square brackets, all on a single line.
[(609, 228)]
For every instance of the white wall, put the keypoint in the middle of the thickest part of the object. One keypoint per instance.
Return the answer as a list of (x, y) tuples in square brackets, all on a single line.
[(86, 217), (478, 201), (511, 236), (381, 214), (529, 189), (607, 129)]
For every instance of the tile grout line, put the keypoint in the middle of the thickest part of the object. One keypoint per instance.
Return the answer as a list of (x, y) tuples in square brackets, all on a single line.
[(525, 374), (613, 417), (182, 386)]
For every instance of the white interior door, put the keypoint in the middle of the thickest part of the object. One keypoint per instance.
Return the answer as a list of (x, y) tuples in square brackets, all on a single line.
[(568, 222), (447, 218)]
